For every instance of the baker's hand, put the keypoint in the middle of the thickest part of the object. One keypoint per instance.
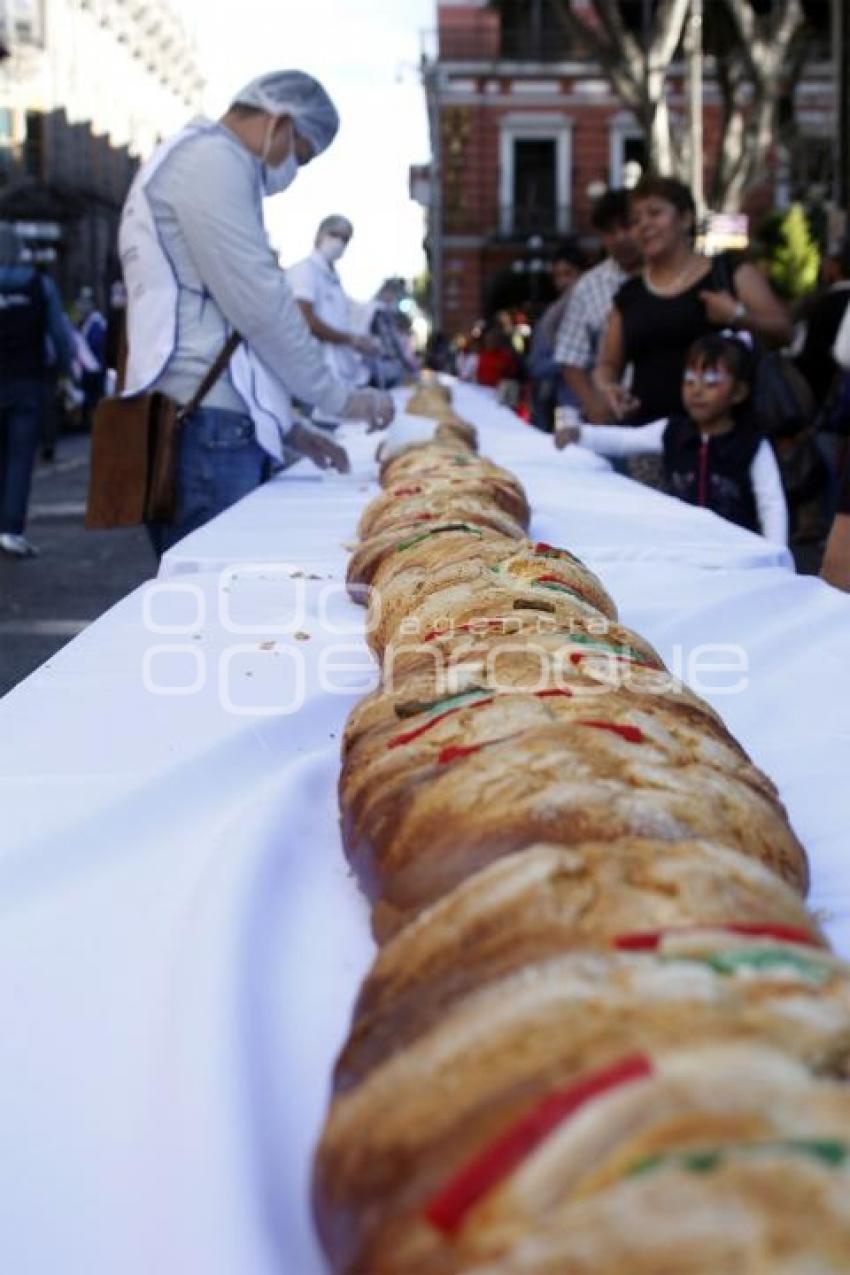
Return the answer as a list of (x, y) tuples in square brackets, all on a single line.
[(373, 406), (364, 344), (318, 447)]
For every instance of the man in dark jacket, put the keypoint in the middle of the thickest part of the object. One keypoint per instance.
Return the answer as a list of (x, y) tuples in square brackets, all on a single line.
[(32, 338)]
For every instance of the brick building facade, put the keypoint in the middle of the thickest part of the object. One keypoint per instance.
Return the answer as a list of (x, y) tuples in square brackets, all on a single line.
[(87, 89), (523, 132)]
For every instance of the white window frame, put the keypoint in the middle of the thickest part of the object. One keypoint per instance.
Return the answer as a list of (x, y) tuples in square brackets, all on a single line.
[(536, 127), (623, 129)]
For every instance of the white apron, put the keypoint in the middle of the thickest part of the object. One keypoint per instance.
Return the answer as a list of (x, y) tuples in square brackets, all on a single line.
[(152, 308)]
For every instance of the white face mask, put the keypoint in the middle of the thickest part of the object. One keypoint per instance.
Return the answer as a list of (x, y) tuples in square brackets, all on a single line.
[(277, 177), (332, 247)]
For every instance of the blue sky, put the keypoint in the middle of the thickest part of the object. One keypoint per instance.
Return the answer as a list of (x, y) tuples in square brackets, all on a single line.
[(366, 54)]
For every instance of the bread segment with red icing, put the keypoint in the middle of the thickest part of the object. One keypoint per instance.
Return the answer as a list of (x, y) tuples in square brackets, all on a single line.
[(576, 871), (629, 895), (396, 1141)]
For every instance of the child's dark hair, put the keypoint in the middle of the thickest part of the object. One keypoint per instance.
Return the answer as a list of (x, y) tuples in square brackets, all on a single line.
[(727, 352), (733, 354)]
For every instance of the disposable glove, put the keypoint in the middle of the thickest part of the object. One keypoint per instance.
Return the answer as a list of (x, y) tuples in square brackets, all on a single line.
[(376, 407)]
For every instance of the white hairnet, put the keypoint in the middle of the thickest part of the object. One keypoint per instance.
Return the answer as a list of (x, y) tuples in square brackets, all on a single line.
[(336, 224), (297, 94)]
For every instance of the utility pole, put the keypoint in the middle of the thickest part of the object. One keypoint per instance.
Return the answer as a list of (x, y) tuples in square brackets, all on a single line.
[(695, 105), (431, 79), (841, 53)]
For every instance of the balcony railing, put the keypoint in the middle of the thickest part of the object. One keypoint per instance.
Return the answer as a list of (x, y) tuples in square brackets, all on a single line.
[(490, 42), (514, 224), (525, 221)]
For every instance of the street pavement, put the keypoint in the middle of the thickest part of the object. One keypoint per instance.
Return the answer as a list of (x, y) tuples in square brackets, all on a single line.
[(46, 601)]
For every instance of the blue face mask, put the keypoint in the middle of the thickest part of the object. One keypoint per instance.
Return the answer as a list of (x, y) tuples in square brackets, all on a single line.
[(277, 177), (276, 180)]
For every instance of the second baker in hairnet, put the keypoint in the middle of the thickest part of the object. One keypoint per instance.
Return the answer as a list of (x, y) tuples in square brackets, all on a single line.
[(326, 307), (198, 266)]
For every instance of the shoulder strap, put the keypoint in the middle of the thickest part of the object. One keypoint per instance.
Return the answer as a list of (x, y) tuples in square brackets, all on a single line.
[(225, 355), (721, 273)]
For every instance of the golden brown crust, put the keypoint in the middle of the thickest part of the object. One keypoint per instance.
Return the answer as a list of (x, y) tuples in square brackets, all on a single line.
[(445, 551), (529, 639), (441, 501), (477, 523), (747, 1144), (442, 460), (513, 709), (399, 1136), (521, 574), (421, 813), (487, 598), (549, 900)]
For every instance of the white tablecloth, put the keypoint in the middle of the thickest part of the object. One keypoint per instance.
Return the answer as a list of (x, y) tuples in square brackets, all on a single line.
[(180, 938)]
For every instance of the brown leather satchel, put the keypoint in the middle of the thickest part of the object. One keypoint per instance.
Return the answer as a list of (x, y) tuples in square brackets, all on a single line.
[(133, 477)]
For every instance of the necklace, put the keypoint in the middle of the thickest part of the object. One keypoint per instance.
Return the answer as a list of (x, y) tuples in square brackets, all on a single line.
[(670, 289)]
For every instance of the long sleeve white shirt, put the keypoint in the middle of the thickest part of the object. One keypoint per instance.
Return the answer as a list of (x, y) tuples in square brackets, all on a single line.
[(648, 440), (207, 205)]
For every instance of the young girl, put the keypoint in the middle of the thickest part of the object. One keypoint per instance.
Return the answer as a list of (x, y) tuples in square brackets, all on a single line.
[(713, 454)]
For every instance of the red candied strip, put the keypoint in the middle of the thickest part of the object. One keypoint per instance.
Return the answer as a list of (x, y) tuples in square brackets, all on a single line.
[(551, 578), (406, 491), (454, 752), (409, 736), (651, 940), (632, 734), (446, 1210)]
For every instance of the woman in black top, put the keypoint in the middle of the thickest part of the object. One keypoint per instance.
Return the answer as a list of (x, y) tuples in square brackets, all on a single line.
[(679, 297)]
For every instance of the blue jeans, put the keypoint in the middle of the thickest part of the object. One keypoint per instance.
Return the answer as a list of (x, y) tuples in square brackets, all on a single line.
[(22, 407), (218, 462)]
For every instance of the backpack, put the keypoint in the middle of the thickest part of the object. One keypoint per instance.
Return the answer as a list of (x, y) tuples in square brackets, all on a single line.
[(23, 328), (783, 402), (834, 416)]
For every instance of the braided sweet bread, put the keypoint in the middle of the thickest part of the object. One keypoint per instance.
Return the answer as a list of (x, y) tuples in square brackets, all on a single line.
[(575, 871)]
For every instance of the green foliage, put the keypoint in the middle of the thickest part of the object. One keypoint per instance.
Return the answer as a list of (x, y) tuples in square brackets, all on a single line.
[(792, 254)]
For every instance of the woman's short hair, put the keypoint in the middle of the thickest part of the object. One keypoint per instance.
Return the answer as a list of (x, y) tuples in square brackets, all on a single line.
[(669, 189)]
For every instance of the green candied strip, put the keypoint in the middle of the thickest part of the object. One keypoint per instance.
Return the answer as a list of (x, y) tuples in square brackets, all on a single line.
[(435, 531), (414, 708), (829, 1152), (761, 958), (614, 649)]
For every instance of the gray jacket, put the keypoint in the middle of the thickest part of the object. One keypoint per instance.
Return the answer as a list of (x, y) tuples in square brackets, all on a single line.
[(207, 205)]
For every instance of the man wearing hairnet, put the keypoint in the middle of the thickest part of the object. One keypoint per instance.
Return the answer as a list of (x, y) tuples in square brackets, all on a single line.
[(198, 267), (325, 306)]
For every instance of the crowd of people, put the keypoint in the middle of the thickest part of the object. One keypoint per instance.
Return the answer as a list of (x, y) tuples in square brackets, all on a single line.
[(687, 370), (197, 271)]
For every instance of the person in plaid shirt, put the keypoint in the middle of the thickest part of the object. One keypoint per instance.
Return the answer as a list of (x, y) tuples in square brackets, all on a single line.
[(580, 333)]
